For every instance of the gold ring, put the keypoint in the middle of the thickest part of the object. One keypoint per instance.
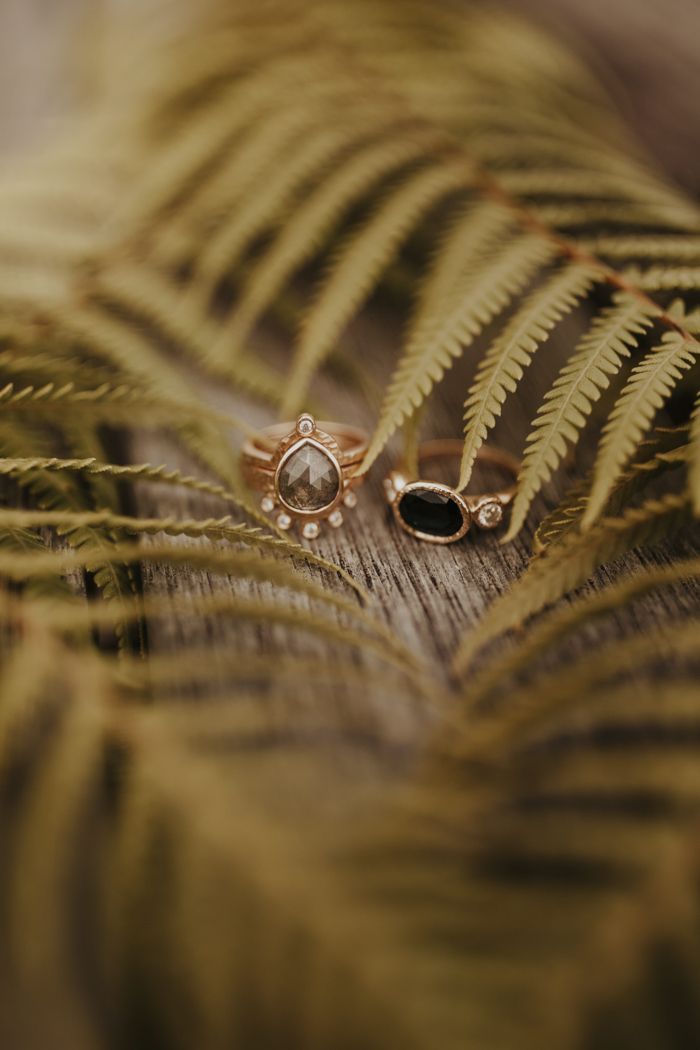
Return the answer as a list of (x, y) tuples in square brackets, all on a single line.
[(304, 471), (437, 513)]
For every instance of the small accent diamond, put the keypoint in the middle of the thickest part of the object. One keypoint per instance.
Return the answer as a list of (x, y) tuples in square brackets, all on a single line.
[(267, 504), (335, 520), (350, 500), (284, 521), (489, 515), (310, 530), (305, 425)]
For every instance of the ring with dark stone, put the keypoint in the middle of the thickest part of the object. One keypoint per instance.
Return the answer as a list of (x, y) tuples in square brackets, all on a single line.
[(437, 513)]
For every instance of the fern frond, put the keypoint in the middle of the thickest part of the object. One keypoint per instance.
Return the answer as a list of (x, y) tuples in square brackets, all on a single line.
[(550, 691), (200, 149), (66, 617), (270, 201), (115, 403), (313, 219), (221, 669), (665, 278), (672, 248), (234, 563), (568, 404), (147, 294), (546, 830), (67, 495), (360, 265), (61, 798), (649, 386), (212, 528), (586, 215), (694, 461), (471, 235), (539, 182), (667, 450), (260, 149), (558, 624), (511, 353), (430, 350), (568, 564)]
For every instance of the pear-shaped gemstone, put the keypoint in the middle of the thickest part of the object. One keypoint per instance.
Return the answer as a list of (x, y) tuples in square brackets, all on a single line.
[(308, 479)]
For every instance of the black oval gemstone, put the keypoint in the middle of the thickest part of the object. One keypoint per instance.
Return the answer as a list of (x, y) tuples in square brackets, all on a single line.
[(434, 513)]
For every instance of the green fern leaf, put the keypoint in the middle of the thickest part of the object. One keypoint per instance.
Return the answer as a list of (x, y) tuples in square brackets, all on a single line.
[(360, 265), (664, 278), (560, 623), (144, 293), (666, 450), (648, 387), (470, 236), (38, 467), (624, 657), (694, 464), (268, 202), (511, 353), (568, 564), (315, 217), (567, 406), (671, 248), (485, 292)]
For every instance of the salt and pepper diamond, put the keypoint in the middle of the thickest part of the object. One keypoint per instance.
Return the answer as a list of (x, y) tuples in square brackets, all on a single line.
[(309, 478)]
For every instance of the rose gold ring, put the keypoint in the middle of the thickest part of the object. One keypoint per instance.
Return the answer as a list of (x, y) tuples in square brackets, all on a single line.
[(437, 513), (304, 471)]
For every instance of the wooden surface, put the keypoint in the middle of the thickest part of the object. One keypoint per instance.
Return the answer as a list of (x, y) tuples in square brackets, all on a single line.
[(429, 595)]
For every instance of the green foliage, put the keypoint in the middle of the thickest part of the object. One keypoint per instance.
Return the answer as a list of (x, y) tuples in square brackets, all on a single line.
[(243, 811)]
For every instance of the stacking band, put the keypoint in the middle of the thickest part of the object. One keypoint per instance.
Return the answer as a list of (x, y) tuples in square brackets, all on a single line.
[(260, 451), (305, 471), (437, 513)]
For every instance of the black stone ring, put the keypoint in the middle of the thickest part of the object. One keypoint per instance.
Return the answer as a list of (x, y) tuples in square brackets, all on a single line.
[(435, 512)]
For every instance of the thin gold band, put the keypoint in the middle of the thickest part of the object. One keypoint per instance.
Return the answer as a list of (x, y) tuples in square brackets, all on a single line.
[(259, 452), (451, 448), (486, 508)]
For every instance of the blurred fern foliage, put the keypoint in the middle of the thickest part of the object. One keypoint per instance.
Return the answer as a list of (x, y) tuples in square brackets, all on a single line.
[(219, 845)]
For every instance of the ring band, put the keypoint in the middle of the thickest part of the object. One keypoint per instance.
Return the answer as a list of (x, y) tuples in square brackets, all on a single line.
[(437, 513), (305, 471)]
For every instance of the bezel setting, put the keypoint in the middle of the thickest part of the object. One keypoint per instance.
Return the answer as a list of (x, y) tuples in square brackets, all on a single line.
[(442, 490), (489, 513), (329, 450)]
